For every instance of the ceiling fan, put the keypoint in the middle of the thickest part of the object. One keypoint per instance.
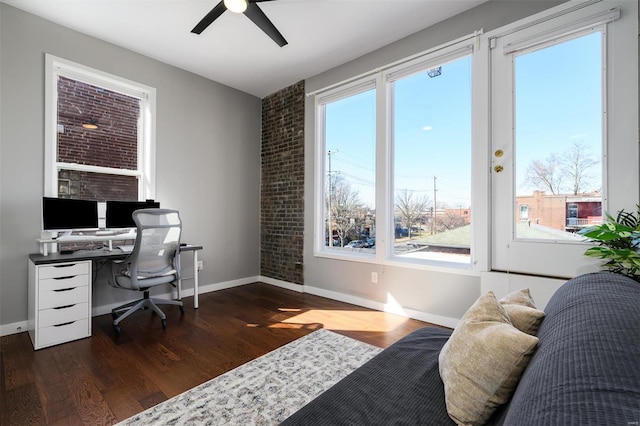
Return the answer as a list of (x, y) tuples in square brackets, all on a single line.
[(250, 9)]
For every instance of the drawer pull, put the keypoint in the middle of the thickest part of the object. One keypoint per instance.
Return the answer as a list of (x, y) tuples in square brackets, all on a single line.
[(68, 277), (64, 323), (64, 289), (65, 307), (64, 266)]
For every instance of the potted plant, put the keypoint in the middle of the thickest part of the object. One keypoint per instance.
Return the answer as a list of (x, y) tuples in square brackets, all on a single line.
[(618, 242)]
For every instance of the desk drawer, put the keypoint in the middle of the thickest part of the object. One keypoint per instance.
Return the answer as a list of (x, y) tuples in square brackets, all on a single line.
[(61, 283), (48, 336), (65, 297), (54, 316), (63, 270)]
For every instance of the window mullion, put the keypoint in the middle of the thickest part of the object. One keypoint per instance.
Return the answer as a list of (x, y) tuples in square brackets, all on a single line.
[(97, 169)]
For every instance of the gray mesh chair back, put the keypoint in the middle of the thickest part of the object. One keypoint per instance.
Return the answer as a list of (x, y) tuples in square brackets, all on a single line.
[(154, 261)]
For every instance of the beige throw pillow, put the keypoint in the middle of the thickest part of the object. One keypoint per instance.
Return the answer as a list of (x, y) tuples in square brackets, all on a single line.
[(482, 362), (522, 311)]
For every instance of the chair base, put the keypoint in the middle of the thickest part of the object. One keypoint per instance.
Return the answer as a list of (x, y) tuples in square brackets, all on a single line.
[(145, 303)]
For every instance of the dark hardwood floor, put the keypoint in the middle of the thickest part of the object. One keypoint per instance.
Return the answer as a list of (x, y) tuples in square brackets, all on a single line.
[(104, 379)]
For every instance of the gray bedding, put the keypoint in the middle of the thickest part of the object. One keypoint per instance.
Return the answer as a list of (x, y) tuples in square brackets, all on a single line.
[(586, 370), (397, 387)]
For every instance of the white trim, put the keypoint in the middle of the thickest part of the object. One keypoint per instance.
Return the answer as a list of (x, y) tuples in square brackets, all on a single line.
[(21, 326), (97, 77), (540, 17), (54, 67), (386, 67), (563, 31), (282, 284), (383, 307), (354, 88), (97, 169), (450, 54), (14, 328), (106, 309)]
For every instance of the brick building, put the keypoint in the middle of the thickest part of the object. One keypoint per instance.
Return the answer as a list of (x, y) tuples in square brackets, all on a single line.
[(96, 127), (565, 212)]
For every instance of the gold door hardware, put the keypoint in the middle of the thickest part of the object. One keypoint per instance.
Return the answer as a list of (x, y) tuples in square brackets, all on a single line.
[(498, 168), (498, 153)]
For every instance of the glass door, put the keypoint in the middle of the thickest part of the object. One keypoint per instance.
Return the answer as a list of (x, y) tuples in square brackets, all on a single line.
[(549, 148)]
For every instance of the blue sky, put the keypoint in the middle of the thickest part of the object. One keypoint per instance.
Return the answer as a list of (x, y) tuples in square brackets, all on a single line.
[(558, 103)]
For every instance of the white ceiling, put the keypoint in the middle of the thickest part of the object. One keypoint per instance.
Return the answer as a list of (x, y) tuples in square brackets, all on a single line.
[(321, 33)]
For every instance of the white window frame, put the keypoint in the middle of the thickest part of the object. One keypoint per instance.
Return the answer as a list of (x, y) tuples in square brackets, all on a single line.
[(352, 88), (621, 125), (146, 168), (379, 79), (439, 57), (482, 186)]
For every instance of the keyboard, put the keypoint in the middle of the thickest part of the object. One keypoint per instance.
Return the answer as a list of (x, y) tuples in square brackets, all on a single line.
[(127, 248)]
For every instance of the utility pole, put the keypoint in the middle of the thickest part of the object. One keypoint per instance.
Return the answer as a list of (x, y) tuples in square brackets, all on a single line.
[(329, 174), (433, 219)]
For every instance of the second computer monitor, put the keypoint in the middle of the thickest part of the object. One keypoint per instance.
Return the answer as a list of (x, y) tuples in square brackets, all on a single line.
[(119, 214)]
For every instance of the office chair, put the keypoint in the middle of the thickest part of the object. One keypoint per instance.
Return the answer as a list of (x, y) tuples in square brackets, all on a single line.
[(154, 261)]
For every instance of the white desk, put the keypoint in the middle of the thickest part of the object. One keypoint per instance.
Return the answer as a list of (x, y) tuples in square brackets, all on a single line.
[(60, 292)]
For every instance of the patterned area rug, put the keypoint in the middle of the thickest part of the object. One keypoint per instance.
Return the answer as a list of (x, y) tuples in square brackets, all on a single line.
[(268, 389)]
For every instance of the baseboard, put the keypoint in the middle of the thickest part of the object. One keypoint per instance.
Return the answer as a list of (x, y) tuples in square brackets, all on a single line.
[(21, 326), (384, 307), (282, 284), (13, 328), (186, 292)]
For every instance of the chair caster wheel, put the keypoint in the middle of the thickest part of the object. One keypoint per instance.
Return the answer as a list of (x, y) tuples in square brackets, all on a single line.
[(182, 309), (164, 324), (117, 329)]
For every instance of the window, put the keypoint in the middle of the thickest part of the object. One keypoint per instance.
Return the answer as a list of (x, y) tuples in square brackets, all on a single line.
[(431, 169), (550, 100), (347, 147), (99, 135), (561, 126), (558, 131), (427, 148)]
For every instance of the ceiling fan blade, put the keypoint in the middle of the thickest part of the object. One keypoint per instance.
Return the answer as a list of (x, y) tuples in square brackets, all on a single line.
[(209, 18), (258, 17)]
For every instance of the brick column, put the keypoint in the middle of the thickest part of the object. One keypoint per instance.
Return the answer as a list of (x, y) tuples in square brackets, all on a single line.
[(282, 185)]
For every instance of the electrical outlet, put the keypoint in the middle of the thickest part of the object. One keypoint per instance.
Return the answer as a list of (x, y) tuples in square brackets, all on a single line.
[(200, 265), (374, 277)]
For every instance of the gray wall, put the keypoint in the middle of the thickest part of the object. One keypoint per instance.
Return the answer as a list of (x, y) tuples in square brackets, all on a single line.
[(207, 154), (437, 296)]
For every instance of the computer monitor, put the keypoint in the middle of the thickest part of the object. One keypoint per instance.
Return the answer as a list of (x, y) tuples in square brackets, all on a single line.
[(64, 214), (119, 214)]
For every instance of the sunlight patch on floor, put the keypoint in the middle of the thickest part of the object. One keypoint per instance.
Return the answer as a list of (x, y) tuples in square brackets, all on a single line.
[(347, 320)]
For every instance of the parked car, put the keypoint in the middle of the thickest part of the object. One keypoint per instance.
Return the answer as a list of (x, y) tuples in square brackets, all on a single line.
[(356, 244)]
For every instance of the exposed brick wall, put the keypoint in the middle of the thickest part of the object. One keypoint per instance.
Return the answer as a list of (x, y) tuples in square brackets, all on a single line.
[(282, 187), (112, 144)]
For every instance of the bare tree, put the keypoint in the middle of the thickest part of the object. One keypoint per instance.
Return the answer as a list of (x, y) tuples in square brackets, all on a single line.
[(449, 221), (345, 207), (568, 171), (545, 175), (576, 164), (409, 208)]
